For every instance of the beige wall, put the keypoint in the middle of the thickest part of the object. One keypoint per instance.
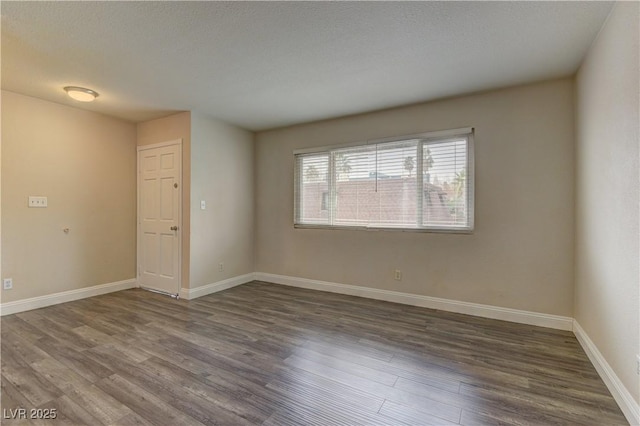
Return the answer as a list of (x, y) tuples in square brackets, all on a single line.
[(85, 164), (607, 295), (218, 168), (521, 253), (221, 175), (173, 127)]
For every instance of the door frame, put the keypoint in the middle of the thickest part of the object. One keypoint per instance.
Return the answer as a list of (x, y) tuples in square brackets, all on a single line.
[(139, 149)]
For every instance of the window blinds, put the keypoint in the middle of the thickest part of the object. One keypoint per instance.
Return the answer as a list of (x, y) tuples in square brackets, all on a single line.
[(412, 183)]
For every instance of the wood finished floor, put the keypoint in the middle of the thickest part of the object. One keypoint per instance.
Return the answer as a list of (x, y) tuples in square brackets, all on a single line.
[(268, 354)]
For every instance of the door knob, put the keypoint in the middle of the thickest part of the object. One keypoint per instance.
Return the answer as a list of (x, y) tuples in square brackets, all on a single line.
[(174, 228)]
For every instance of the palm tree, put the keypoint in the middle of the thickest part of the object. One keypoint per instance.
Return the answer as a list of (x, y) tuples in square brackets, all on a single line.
[(459, 183), (427, 163), (457, 205), (408, 164), (342, 165)]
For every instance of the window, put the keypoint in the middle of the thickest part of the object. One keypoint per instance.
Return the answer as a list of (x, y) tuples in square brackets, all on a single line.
[(421, 182)]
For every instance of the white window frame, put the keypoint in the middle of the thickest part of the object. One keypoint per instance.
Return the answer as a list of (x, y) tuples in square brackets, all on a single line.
[(425, 138)]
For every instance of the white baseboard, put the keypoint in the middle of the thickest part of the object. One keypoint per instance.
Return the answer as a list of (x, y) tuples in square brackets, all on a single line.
[(628, 405), (192, 293), (620, 393), (65, 296), (486, 311)]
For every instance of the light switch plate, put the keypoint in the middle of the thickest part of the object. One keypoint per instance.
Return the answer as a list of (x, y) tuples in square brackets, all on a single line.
[(39, 202), (203, 204)]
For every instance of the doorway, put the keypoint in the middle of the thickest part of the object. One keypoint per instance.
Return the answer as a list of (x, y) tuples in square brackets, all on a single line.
[(159, 217)]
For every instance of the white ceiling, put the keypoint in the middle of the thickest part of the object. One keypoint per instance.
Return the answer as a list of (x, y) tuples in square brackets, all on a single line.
[(262, 65)]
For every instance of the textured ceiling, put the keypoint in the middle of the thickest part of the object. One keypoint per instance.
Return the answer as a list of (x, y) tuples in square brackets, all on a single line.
[(262, 65)]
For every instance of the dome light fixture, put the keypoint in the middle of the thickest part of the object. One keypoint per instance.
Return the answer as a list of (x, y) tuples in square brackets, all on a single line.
[(81, 94)]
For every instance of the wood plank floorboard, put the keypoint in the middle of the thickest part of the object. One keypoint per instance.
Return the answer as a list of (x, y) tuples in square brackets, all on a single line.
[(268, 354)]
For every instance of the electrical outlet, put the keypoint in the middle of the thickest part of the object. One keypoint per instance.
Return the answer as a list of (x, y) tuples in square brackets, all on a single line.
[(7, 283), (397, 275), (40, 202), (220, 267)]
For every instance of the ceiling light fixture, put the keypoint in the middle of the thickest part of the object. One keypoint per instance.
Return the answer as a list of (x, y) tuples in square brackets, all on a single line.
[(81, 94)]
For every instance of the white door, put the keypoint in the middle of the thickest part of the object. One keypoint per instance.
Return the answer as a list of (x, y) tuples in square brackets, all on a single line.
[(159, 209)]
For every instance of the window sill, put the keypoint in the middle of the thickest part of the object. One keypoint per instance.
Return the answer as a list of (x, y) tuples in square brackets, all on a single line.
[(467, 231)]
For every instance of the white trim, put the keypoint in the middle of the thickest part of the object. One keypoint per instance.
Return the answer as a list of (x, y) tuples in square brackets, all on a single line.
[(486, 311), (65, 296), (419, 141), (159, 145), (193, 293), (435, 229), (141, 148), (438, 134), (471, 180), (620, 393), (424, 135)]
